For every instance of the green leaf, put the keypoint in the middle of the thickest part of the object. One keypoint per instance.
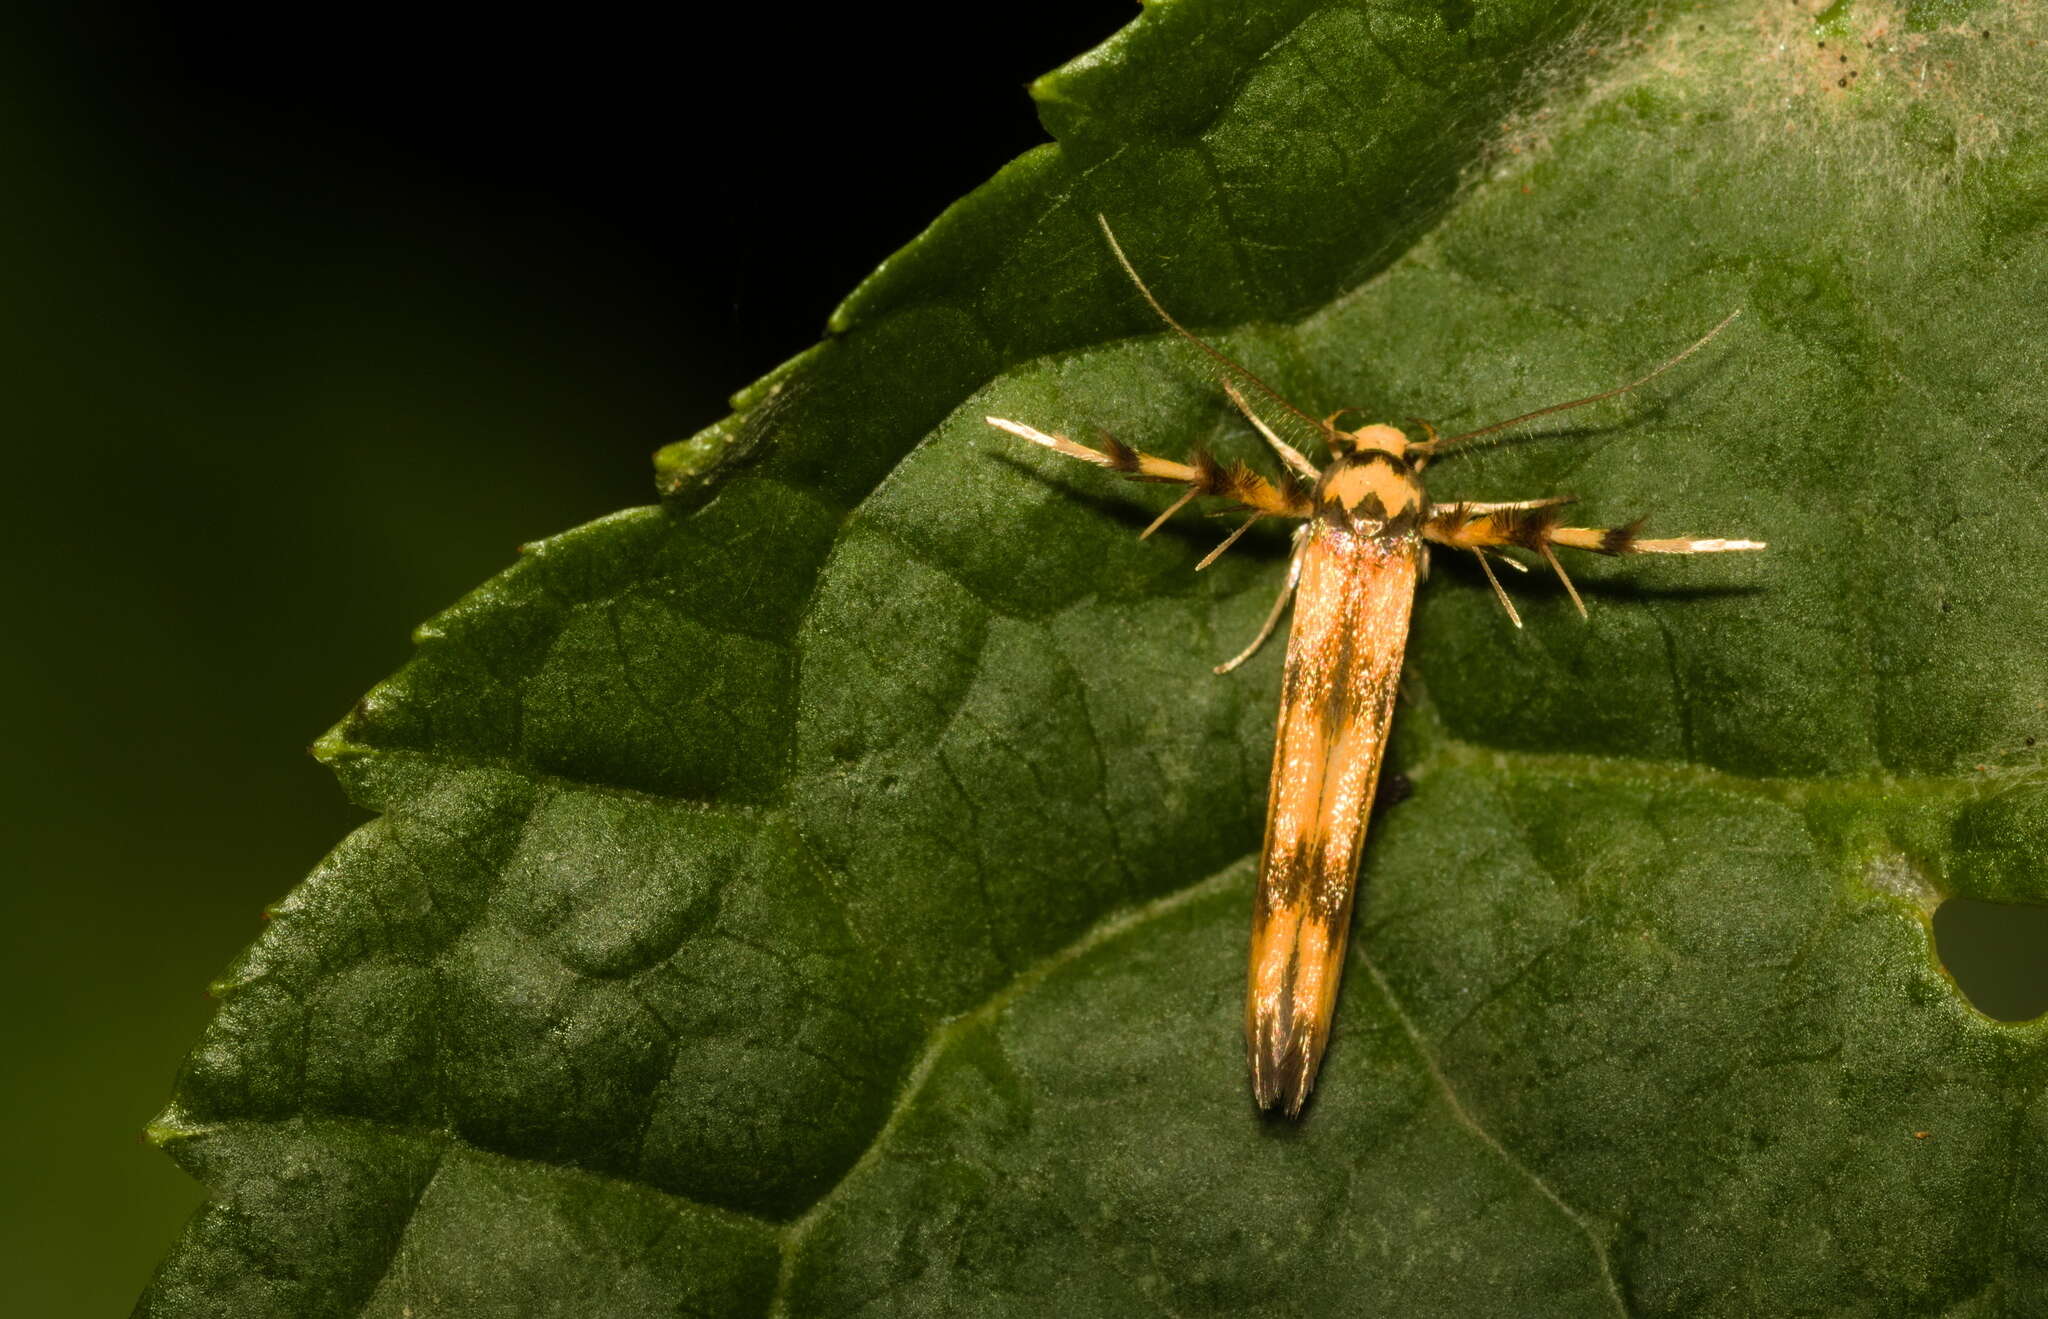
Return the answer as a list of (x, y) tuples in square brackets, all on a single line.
[(826, 892)]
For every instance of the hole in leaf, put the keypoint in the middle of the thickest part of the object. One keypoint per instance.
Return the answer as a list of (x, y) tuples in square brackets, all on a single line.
[(1998, 954)]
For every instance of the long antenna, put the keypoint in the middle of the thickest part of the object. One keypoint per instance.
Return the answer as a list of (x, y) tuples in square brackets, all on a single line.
[(1228, 362), (1437, 448)]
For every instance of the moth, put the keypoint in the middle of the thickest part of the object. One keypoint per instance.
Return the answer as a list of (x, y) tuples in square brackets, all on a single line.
[(1363, 543)]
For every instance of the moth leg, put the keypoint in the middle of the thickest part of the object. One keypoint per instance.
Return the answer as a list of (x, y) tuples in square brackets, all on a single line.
[(1550, 557), (1290, 455), (1515, 505), (1171, 509), (1228, 541), (1499, 594), (1279, 608), (1202, 474), (1534, 525)]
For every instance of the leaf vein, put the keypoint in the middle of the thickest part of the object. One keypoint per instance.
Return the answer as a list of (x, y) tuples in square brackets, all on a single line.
[(1471, 1123)]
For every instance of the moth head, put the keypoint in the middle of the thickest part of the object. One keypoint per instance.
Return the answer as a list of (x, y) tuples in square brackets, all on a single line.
[(1376, 438)]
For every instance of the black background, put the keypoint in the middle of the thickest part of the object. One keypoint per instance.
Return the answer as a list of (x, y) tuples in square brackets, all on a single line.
[(712, 187)]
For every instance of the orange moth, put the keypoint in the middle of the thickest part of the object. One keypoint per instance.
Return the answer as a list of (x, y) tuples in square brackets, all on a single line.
[(1366, 525)]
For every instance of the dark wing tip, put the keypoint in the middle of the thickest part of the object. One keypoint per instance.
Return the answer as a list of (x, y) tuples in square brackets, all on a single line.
[(1285, 1058)]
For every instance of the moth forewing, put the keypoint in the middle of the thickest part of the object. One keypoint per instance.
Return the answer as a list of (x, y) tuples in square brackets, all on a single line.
[(1343, 667)]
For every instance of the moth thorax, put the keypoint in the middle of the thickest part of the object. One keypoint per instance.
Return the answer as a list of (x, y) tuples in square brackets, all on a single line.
[(1374, 491)]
